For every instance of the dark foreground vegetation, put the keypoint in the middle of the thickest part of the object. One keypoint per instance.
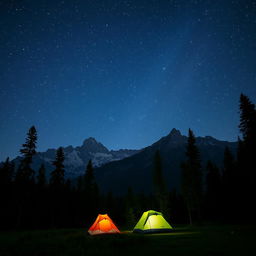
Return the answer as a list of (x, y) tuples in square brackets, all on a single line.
[(203, 240), (30, 200)]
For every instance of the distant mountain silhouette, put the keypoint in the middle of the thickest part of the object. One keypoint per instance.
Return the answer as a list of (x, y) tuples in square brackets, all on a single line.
[(76, 158), (136, 170), (116, 170)]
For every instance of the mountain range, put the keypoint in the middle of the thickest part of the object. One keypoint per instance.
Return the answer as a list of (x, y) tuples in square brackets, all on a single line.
[(136, 171), (76, 158), (116, 170)]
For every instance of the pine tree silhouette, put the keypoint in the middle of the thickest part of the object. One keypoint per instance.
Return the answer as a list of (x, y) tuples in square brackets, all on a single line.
[(159, 186), (24, 180), (91, 191), (57, 199), (192, 179), (246, 157), (57, 175), (25, 173)]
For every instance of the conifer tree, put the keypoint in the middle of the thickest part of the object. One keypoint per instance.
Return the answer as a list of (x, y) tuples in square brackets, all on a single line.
[(91, 190), (57, 175), (57, 199), (25, 182), (159, 186), (192, 179), (247, 156), (248, 144), (25, 174), (89, 179), (29, 147), (248, 129), (247, 120)]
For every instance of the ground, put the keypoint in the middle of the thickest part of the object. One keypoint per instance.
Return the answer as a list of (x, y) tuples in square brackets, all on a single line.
[(201, 240)]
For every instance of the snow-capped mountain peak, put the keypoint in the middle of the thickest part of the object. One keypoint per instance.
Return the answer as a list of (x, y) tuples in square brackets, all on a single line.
[(76, 158)]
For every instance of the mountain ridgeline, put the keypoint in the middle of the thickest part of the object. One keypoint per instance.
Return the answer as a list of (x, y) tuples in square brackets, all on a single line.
[(131, 168), (136, 171), (76, 158)]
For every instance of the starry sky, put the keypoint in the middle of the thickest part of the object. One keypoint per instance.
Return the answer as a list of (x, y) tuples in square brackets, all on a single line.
[(125, 72)]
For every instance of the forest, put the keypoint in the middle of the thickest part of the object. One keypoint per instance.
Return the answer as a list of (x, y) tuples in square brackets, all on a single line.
[(208, 194)]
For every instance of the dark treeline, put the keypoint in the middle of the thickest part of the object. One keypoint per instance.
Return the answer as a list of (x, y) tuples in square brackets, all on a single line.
[(30, 200)]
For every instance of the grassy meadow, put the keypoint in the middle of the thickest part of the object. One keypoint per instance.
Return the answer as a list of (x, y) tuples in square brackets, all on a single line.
[(201, 240)]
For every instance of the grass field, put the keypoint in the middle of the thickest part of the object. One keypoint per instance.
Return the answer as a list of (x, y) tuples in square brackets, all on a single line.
[(203, 240)]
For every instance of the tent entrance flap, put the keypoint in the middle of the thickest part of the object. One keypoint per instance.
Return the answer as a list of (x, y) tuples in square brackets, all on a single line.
[(103, 225)]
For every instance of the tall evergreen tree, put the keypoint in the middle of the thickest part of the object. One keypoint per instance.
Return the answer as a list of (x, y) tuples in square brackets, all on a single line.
[(159, 186), (25, 173), (25, 182), (89, 180), (247, 156), (29, 147), (57, 175), (247, 120), (91, 190), (192, 179), (248, 144), (57, 189)]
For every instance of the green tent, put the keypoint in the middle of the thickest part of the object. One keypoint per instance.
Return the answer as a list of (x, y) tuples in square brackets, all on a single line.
[(152, 222)]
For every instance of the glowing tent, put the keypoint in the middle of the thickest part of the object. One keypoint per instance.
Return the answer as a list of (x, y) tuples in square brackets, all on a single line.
[(152, 222), (103, 225)]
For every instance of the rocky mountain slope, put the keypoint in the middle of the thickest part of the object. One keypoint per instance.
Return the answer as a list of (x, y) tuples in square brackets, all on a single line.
[(136, 170), (76, 158)]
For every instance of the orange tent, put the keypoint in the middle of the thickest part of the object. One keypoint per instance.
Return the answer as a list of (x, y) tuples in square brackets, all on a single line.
[(103, 225)]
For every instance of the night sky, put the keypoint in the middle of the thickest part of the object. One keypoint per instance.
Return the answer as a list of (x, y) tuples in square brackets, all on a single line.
[(124, 72)]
